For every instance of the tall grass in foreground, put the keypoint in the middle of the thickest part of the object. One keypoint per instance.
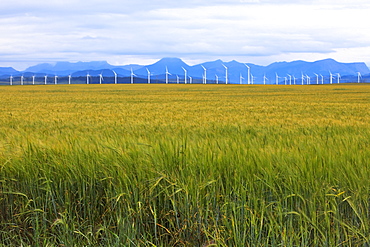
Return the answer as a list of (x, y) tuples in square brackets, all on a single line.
[(186, 166)]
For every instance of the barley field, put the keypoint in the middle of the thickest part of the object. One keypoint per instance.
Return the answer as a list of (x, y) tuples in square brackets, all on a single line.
[(185, 165)]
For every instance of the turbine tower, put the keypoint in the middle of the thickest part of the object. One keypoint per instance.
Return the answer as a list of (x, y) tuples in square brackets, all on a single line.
[(290, 79), (359, 77), (190, 79), (204, 75), (285, 80), (322, 79), (216, 79), (331, 77), (167, 73), (11, 80), (33, 80), (241, 78), (132, 76), (294, 79), (115, 77), (22, 78), (55, 79), (226, 76), (46, 79), (264, 79), (308, 80), (302, 79), (185, 76), (317, 78), (252, 79), (87, 78), (338, 77), (147, 70), (177, 79), (249, 74), (277, 79), (69, 79), (101, 79)]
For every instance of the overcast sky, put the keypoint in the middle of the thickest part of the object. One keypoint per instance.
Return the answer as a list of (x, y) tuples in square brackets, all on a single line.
[(143, 31)]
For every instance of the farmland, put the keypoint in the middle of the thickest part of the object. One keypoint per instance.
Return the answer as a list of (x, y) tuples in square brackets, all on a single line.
[(185, 165)]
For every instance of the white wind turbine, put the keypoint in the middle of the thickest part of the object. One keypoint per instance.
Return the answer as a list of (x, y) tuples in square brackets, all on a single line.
[(33, 80), (11, 80), (55, 79), (167, 73), (252, 79), (69, 79), (22, 79), (285, 80), (322, 79), (290, 79), (317, 78), (46, 79), (226, 76), (241, 78), (264, 79), (277, 79), (147, 70), (204, 75), (308, 80), (132, 76), (87, 78), (302, 79), (331, 77), (177, 79), (190, 79), (185, 76), (359, 77), (101, 79), (216, 79), (338, 77), (115, 77), (249, 73), (294, 79)]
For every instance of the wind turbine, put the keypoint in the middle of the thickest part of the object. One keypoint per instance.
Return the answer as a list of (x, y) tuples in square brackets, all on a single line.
[(216, 79), (69, 79), (308, 80), (264, 79), (226, 76), (101, 79), (285, 80), (338, 77), (277, 79), (252, 79), (241, 78), (167, 73), (290, 79), (55, 79), (185, 76), (190, 79), (22, 78), (33, 80), (204, 75), (322, 79), (87, 78), (132, 76), (46, 78), (331, 77), (294, 79), (249, 73), (177, 79), (11, 80), (148, 75), (302, 79), (359, 77), (317, 78), (115, 77)]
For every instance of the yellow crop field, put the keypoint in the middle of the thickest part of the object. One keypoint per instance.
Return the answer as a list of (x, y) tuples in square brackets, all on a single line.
[(185, 165)]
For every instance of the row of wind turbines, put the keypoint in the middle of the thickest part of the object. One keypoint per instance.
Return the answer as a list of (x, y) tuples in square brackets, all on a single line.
[(288, 79)]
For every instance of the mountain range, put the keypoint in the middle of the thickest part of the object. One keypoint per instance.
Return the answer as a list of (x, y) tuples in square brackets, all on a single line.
[(176, 67)]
